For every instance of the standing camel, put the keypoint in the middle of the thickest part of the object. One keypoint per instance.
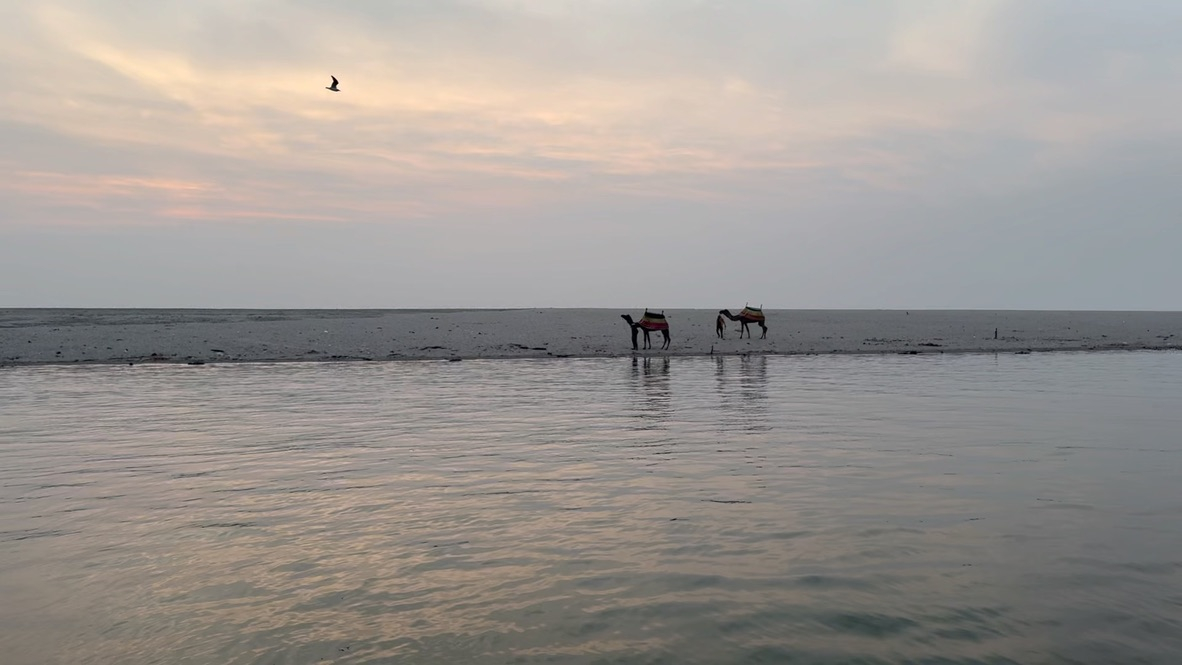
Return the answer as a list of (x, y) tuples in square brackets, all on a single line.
[(647, 323), (746, 317)]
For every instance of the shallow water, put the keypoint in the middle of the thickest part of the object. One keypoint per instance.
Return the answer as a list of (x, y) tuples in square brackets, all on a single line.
[(872, 509)]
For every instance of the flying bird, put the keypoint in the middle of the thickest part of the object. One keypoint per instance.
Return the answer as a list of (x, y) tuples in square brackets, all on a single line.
[(333, 87)]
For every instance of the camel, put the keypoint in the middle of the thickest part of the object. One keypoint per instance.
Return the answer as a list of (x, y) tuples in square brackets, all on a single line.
[(649, 322), (746, 317), (720, 327)]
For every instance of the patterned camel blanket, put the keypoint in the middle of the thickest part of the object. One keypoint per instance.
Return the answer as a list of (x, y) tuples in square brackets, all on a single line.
[(653, 321), (753, 313)]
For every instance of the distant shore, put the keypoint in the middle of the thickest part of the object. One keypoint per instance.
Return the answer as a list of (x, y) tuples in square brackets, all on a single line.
[(73, 336)]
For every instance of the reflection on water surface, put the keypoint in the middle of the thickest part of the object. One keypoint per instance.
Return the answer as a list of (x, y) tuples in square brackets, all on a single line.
[(967, 509)]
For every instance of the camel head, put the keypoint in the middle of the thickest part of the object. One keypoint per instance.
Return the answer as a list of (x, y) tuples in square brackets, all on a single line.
[(628, 318)]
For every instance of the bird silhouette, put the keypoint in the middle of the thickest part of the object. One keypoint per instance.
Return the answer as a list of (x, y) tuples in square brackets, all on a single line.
[(333, 87)]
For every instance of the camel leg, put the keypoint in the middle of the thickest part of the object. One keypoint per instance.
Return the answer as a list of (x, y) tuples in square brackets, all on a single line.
[(764, 335), (647, 342), (667, 340)]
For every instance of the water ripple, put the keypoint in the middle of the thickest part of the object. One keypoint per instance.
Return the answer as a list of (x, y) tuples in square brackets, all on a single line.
[(956, 511)]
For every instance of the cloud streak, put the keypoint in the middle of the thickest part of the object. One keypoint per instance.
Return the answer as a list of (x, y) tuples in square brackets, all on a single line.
[(452, 112)]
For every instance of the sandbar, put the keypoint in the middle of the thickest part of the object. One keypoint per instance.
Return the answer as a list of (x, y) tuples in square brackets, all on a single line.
[(70, 336)]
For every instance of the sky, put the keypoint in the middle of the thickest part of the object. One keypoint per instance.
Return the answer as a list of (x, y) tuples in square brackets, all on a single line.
[(870, 154)]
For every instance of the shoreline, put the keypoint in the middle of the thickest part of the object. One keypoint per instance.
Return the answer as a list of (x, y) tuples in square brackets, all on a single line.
[(73, 337), (638, 354)]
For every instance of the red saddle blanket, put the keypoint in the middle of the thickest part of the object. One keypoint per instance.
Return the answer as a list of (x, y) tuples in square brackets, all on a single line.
[(653, 321), (752, 313)]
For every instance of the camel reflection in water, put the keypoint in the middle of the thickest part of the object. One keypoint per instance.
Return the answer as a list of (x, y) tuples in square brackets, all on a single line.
[(652, 405), (741, 383), (742, 390)]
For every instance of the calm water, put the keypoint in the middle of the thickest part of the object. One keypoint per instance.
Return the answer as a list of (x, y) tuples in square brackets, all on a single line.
[(931, 509)]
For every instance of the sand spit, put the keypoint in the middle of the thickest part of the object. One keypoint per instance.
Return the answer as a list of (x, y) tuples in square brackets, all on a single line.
[(34, 336)]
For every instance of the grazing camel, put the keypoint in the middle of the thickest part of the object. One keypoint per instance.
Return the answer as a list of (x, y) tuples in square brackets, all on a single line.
[(647, 323), (720, 327), (746, 317)]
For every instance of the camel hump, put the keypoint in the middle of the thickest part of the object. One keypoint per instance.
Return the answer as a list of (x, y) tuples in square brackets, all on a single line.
[(753, 313), (654, 321)]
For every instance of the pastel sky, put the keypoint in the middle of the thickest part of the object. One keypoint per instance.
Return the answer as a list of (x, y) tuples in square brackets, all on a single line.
[(591, 153)]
